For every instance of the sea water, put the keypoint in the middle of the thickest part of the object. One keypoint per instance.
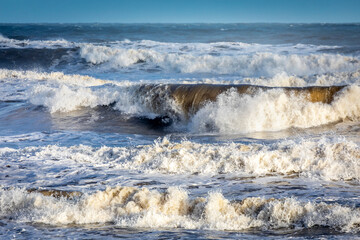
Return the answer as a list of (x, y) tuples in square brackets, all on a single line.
[(95, 143)]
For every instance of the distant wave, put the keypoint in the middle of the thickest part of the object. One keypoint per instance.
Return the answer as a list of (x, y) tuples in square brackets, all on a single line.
[(60, 77), (256, 64), (244, 59), (37, 44), (226, 47), (279, 80)]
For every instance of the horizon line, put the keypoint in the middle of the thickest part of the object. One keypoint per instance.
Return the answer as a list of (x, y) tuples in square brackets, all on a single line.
[(179, 22)]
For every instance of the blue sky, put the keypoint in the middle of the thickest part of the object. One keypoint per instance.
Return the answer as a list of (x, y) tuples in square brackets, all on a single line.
[(180, 11)]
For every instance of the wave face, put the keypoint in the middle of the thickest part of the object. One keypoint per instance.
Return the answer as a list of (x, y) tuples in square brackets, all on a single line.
[(273, 110), (209, 108), (179, 131)]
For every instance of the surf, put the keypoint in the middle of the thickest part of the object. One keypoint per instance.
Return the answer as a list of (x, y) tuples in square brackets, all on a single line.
[(173, 208)]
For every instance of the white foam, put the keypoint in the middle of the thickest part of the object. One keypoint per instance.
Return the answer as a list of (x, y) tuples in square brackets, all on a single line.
[(279, 80), (218, 58), (273, 110), (257, 64), (285, 80), (64, 98), (224, 48), (133, 207), (231, 113), (61, 92), (325, 158), (71, 79), (50, 44)]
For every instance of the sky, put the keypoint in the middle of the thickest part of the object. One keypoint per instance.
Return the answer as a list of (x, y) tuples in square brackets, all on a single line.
[(179, 11)]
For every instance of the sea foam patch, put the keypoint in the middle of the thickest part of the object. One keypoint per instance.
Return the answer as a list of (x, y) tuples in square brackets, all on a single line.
[(325, 158), (140, 207)]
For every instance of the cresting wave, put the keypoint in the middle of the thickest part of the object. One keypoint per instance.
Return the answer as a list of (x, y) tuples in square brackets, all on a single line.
[(257, 64), (277, 109), (327, 159), (192, 97), (222, 108), (244, 59), (134, 207), (212, 108)]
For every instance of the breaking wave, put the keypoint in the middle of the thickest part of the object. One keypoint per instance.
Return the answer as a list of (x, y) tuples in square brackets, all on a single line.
[(273, 110), (257, 64), (196, 107), (324, 158), (134, 207), (209, 108), (234, 58)]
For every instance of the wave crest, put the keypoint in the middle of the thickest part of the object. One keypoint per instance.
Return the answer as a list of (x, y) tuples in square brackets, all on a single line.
[(257, 64), (209, 108), (273, 110)]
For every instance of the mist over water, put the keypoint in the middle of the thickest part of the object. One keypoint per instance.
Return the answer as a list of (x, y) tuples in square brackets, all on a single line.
[(179, 130)]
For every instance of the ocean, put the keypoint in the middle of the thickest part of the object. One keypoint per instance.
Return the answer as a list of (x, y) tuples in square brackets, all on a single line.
[(180, 131)]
